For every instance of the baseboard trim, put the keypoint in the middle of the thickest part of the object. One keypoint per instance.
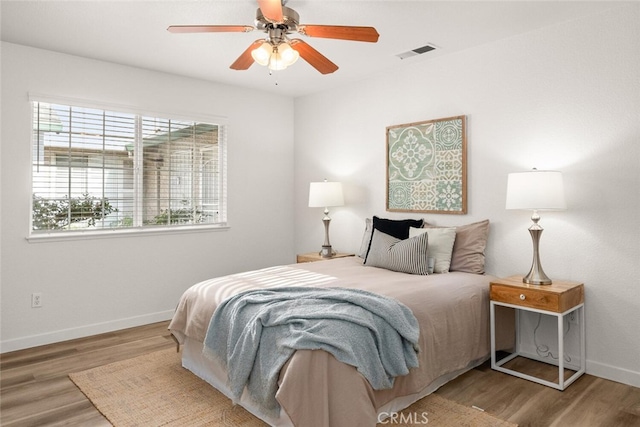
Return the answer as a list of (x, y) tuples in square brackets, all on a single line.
[(83, 331), (613, 373)]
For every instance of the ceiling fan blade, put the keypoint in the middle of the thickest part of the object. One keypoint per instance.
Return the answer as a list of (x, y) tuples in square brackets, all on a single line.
[(271, 9), (358, 34), (245, 60), (210, 28), (313, 57)]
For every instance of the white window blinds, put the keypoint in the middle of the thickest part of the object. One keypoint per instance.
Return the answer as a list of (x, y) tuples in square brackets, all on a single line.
[(95, 169)]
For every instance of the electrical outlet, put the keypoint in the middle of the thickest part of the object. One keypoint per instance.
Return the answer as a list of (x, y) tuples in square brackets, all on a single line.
[(573, 317), (36, 300)]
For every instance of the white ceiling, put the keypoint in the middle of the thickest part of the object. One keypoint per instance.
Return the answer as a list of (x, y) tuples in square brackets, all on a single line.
[(134, 33)]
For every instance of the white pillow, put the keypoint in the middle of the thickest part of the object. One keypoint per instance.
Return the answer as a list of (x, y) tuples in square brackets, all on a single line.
[(440, 248)]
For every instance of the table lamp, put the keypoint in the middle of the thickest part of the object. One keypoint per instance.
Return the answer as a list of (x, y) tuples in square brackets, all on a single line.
[(536, 190), (324, 195)]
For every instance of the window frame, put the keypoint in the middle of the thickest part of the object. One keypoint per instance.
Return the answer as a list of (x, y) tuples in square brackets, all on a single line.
[(79, 234)]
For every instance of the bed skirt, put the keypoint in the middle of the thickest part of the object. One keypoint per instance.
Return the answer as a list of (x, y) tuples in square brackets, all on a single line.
[(211, 372)]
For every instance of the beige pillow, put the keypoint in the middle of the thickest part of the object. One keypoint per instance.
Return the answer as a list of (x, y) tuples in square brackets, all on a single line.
[(469, 246), (440, 246)]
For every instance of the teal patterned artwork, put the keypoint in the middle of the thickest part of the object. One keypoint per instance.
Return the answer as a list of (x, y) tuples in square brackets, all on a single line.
[(426, 166)]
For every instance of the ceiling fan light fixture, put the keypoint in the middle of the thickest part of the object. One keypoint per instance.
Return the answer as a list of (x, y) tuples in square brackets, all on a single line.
[(288, 54), (275, 57), (262, 54), (276, 62)]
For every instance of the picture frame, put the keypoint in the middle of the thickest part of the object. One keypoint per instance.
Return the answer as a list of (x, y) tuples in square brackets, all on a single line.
[(427, 166)]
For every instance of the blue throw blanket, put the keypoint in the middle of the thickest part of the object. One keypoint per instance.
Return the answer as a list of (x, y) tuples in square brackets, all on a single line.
[(254, 333)]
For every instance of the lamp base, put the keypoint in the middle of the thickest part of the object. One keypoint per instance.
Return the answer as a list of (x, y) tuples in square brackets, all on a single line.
[(536, 275), (327, 252), (533, 280)]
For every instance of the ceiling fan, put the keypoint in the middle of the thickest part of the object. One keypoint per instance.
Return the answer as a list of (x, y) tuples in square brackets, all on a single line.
[(277, 50)]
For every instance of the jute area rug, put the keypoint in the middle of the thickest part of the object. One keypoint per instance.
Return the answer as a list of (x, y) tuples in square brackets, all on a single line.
[(154, 390)]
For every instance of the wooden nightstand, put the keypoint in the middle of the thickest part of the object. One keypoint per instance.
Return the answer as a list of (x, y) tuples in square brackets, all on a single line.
[(560, 299), (315, 256)]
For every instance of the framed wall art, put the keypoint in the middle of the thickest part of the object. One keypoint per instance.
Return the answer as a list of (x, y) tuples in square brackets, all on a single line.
[(427, 166)]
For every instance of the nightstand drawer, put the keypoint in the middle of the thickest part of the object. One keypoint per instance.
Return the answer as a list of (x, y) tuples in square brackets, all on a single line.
[(524, 297), (559, 297)]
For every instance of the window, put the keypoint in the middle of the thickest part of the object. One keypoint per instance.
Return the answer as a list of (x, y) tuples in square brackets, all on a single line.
[(95, 169)]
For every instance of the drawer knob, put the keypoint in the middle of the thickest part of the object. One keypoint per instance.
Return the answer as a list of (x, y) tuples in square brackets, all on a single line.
[(522, 297)]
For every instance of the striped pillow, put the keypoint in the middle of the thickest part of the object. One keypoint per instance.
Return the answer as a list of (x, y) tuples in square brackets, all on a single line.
[(405, 256)]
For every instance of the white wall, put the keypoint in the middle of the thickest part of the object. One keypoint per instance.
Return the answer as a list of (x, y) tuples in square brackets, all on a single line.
[(97, 285), (565, 97)]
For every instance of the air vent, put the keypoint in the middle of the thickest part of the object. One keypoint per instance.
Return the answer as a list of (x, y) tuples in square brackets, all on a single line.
[(416, 51)]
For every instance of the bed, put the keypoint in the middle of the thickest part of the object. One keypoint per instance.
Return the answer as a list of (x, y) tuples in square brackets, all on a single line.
[(314, 388)]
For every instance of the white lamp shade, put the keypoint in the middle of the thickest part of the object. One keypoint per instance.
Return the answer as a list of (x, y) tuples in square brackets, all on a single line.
[(287, 54), (535, 190), (325, 194), (262, 53)]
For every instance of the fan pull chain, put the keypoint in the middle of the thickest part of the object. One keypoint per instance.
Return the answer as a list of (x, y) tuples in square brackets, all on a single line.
[(271, 74)]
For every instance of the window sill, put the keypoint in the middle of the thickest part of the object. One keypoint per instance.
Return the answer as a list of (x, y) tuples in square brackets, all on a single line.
[(115, 233)]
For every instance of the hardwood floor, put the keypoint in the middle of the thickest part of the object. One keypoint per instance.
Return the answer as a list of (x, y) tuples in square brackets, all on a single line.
[(36, 391), (590, 401)]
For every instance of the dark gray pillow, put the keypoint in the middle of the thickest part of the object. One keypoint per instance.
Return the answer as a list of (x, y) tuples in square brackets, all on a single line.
[(398, 228), (405, 256)]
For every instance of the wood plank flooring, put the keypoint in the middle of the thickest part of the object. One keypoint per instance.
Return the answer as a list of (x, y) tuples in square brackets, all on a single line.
[(590, 401), (36, 391)]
